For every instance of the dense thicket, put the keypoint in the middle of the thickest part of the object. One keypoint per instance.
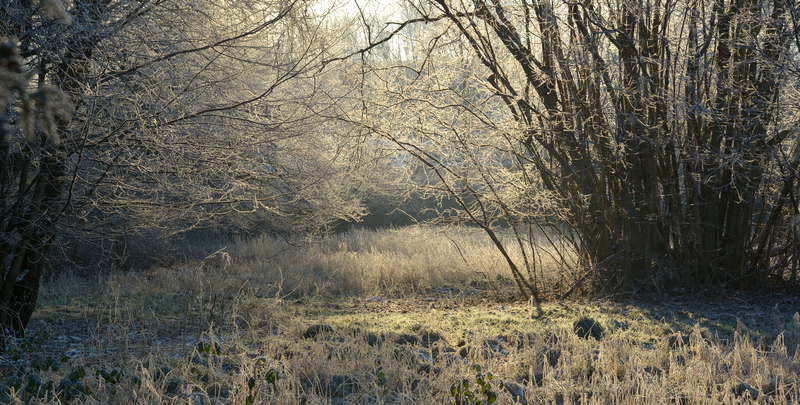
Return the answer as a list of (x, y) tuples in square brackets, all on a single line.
[(657, 137)]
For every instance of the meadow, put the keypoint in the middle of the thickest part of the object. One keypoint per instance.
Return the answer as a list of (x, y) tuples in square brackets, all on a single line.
[(399, 316)]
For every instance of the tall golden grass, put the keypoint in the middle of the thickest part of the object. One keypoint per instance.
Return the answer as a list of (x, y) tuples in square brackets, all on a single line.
[(386, 261)]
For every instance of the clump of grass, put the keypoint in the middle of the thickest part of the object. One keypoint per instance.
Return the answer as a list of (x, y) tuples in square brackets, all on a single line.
[(586, 327)]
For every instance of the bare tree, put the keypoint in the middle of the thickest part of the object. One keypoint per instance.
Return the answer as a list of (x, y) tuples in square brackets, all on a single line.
[(655, 137), (158, 117)]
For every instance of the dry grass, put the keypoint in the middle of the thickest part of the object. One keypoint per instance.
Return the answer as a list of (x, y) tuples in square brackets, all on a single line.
[(396, 316), (404, 260)]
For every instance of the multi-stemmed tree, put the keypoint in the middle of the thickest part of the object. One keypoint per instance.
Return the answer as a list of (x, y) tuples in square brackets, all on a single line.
[(656, 137)]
